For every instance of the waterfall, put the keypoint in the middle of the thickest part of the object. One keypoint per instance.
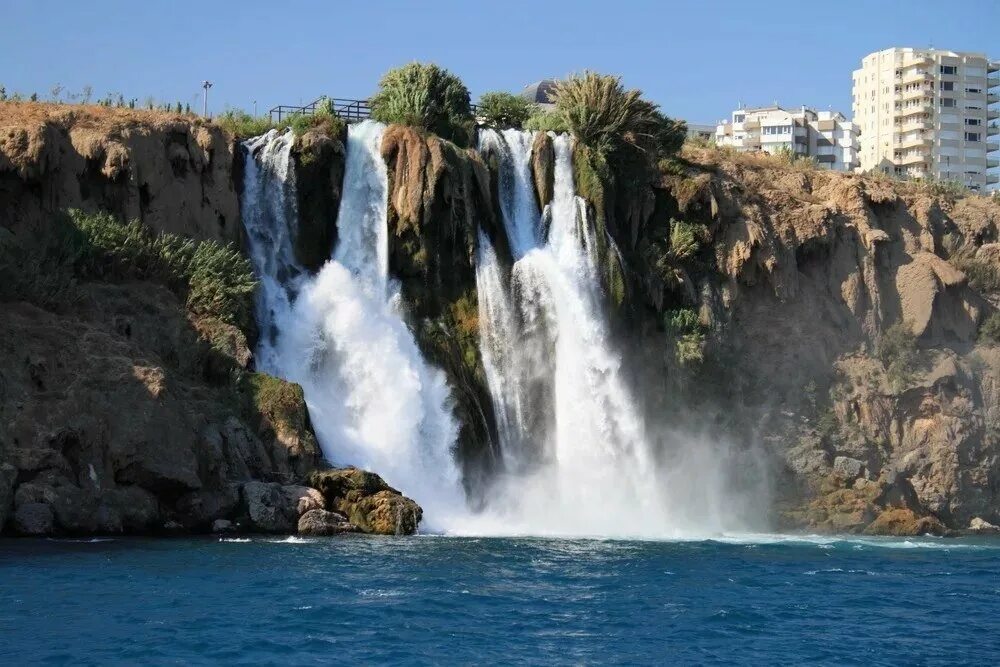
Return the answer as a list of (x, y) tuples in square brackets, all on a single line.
[(571, 436), (373, 400)]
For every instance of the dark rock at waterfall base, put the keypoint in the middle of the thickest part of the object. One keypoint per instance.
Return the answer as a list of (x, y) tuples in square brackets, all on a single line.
[(367, 501), (323, 522)]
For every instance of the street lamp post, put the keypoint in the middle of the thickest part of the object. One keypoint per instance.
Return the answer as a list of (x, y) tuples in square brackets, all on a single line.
[(206, 85)]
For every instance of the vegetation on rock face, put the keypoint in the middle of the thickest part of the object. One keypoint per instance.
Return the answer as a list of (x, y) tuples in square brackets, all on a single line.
[(896, 348), (983, 275), (990, 329), (425, 96), (215, 278), (687, 334), (503, 110)]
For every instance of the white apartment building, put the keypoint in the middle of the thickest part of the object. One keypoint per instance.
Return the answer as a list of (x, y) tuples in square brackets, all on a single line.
[(925, 113), (826, 136)]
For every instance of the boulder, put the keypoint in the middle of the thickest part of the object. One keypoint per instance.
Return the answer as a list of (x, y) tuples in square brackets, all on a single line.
[(904, 522), (367, 501), (268, 508), (128, 509), (979, 525), (847, 468), (273, 508), (222, 526), (34, 519), (322, 522), (199, 509)]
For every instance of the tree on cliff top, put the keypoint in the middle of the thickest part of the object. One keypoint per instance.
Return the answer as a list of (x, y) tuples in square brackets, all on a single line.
[(602, 114), (503, 110), (425, 96)]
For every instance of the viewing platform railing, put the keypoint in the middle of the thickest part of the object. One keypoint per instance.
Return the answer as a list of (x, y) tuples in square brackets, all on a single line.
[(351, 111)]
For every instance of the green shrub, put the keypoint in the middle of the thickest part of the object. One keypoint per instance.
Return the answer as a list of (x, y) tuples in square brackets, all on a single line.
[(546, 121), (242, 125), (213, 277), (989, 331), (687, 334), (322, 119), (896, 348), (504, 110), (983, 275), (601, 113), (39, 268), (425, 96)]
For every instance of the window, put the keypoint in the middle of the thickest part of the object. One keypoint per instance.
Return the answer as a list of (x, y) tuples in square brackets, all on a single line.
[(972, 136), (777, 129), (974, 90), (739, 118), (947, 102), (947, 85), (949, 69), (973, 121)]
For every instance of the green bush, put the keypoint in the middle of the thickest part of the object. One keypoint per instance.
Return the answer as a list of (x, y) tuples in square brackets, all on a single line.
[(989, 331), (687, 334), (896, 348), (323, 119), (214, 278), (601, 113), (39, 268), (425, 96), (504, 110), (546, 121), (242, 125), (983, 275)]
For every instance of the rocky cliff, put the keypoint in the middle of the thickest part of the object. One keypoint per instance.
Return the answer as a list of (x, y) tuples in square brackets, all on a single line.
[(842, 328), (849, 322), (125, 406)]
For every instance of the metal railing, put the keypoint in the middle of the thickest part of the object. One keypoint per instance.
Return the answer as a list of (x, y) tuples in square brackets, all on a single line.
[(349, 110)]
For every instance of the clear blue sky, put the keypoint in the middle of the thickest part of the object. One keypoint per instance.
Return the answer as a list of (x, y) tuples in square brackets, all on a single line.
[(697, 59)]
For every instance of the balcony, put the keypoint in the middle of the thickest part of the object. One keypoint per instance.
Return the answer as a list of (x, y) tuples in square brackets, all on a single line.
[(915, 61), (990, 163), (992, 130), (915, 109), (751, 125), (992, 98), (918, 92), (915, 76), (914, 124), (992, 81), (911, 159), (913, 142)]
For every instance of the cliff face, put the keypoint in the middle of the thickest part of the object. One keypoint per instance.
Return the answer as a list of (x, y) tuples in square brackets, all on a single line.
[(175, 173), (848, 324), (838, 322), (123, 408)]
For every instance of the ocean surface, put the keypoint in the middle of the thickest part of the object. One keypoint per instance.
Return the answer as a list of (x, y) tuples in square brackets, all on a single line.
[(458, 600)]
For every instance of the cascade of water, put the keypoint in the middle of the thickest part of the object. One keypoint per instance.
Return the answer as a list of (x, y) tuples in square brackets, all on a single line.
[(270, 218), (373, 400), (552, 357)]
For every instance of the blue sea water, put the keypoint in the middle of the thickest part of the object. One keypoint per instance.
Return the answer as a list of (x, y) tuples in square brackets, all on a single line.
[(457, 600)]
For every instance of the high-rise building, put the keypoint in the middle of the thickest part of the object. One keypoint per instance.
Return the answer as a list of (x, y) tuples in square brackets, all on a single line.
[(925, 113), (825, 136)]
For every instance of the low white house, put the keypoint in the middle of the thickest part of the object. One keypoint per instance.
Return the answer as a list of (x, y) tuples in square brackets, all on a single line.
[(826, 136)]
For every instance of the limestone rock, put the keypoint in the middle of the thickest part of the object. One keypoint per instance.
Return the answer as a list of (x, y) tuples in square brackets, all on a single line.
[(543, 164), (979, 525), (904, 522), (367, 501), (322, 522), (847, 468), (173, 172)]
